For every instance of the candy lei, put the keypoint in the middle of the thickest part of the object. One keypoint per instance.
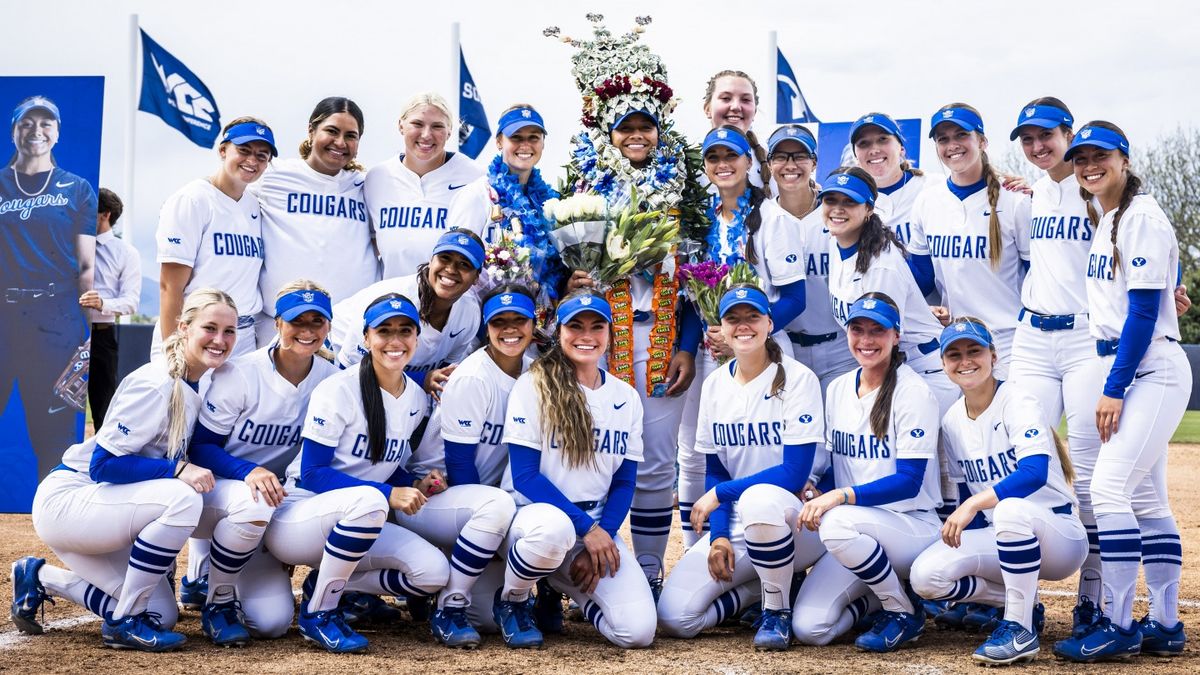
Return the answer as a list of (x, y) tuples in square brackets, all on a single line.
[(524, 203), (729, 251)]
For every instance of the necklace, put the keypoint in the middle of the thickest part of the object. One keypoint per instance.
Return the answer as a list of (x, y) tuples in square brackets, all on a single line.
[(17, 180), (728, 251), (523, 203)]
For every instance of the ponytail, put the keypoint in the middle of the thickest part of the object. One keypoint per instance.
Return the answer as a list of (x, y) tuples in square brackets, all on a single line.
[(563, 406), (907, 167), (373, 410), (775, 354), (173, 350), (753, 221), (764, 164), (1064, 457), (881, 411), (995, 244), (1133, 187), (425, 292)]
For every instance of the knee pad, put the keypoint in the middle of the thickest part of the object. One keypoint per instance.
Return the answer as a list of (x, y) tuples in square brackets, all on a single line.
[(761, 505), (364, 502)]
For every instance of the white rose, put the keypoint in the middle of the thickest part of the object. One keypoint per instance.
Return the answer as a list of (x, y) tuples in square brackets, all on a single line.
[(548, 209)]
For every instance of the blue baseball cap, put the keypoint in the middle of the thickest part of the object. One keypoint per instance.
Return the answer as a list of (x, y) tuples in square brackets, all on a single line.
[(733, 140), (519, 118), (35, 103), (631, 113), (961, 116), (248, 132), (518, 303), (745, 296), (463, 244), (1044, 116), (292, 305), (793, 132), (849, 185), (965, 330), (1099, 137), (885, 123), (876, 310), (385, 309), (568, 309)]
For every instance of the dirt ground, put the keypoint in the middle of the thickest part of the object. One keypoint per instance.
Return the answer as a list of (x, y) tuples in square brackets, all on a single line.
[(73, 642)]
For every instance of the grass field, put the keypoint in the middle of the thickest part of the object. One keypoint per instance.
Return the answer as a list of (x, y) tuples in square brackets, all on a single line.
[(1188, 431)]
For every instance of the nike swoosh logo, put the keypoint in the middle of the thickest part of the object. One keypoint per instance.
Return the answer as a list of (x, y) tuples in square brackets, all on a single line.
[(1021, 646), (618, 407), (53, 409), (455, 187), (997, 426), (1141, 375), (766, 397), (1088, 652), (255, 216), (454, 335), (824, 230), (141, 640), (892, 643), (413, 413), (62, 185), (359, 183), (856, 279)]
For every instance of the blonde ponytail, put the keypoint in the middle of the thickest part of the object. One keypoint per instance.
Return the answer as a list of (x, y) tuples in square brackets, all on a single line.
[(995, 243), (174, 348)]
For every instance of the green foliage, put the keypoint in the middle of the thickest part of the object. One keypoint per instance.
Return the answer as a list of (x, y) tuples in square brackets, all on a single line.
[(1171, 169)]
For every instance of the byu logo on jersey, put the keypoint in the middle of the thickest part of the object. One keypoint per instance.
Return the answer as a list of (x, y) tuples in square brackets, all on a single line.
[(917, 433), (791, 258), (307, 296), (506, 299), (1030, 433), (842, 179), (805, 419), (1139, 262)]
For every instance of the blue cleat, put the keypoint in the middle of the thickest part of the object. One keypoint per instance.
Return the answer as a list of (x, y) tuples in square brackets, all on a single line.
[(1158, 640), (419, 607), (775, 630), (1083, 616), (28, 595), (1010, 643), (656, 586), (366, 608), (548, 608), (1103, 642), (982, 618), (329, 630), (142, 632), (193, 594), (1039, 618), (952, 617), (516, 623), (891, 631), (933, 608), (451, 627), (223, 624)]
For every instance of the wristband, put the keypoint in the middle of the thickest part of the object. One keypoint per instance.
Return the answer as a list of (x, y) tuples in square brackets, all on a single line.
[(845, 496), (179, 472)]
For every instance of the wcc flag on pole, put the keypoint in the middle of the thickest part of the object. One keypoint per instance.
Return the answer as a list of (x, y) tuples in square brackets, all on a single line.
[(174, 93), (474, 132), (790, 106)]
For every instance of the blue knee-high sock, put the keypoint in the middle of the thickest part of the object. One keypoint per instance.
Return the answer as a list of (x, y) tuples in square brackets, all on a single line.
[(1020, 564), (524, 567), (153, 553), (868, 561), (1162, 561), (1120, 554), (471, 554), (233, 544), (773, 561), (650, 528), (1089, 572), (347, 544)]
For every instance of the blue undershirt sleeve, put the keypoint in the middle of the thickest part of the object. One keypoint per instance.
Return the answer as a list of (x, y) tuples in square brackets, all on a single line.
[(922, 271), (791, 304), (620, 497), (790, 475), (691, 329), (1029, 477), (418, 376), (1136, 335), (715, 473), (904, 484), (317, 475), (208, 450), (531, 482), (106, 467), (401, 478), (460, 463)]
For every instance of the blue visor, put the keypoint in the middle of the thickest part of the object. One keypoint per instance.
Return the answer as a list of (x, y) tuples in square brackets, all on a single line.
[(293, 304), (584, 303), (887, 124), (876, 310), (1044, 116), (514, 120), (793, 132), (730, 139), (518, 303), (849, 185), (465, 245), (960, 116), (383, 310), (745, 296), (631, 113), (965, 330), (1099, 137), (248, 132), (35, 103)]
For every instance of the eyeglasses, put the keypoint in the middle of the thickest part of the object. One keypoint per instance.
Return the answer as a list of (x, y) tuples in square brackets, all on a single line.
[(782, 158)]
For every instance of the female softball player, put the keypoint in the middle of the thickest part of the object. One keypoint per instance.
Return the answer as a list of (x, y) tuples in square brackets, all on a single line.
[(247, 433), (409, 195), (760, 422), (996, 442), (1132, 267), (574, 436), (121, 505), (881, 433), (349, 474), (209, 233), (731, 99), (976, 232), (313, 213)]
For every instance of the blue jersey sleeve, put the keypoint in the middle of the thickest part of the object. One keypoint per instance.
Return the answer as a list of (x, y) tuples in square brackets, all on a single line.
[(904, 484), (529, 480), (691, 329), (460, 463), (791, 475), (922, 271), (317, 474), (620, 497), (208, 450), (106, 467), (1030, 476), (1136, 335), (791, 304), (715, 473)]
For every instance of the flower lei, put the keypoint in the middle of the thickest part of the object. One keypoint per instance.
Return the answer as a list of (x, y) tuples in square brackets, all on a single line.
[(728, 252), (605, 170), (524, 203)]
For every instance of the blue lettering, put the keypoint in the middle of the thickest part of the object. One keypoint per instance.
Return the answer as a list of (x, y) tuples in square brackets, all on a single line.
[(412, 216), (958, 246)]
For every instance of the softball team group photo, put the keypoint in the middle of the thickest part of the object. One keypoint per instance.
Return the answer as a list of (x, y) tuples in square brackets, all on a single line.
[(481, 398)]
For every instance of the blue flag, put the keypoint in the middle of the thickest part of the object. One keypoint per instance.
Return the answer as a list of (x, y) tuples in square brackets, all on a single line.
[(174, 93), (790, 105), (474, 132)]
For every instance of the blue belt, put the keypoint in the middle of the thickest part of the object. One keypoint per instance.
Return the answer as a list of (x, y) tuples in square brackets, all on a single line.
[(1048, 322), (1064, 510), (63, 467), (586, 506), (928, 347), (642, 317), (245, 321), (1109, 347), (806, 340)]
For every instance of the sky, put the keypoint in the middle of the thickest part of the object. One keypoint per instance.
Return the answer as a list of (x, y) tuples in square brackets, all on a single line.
[(1136, 64)]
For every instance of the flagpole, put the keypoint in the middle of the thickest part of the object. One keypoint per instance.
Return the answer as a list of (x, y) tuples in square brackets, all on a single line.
[(455, 84), (772, 89), (130, 203)]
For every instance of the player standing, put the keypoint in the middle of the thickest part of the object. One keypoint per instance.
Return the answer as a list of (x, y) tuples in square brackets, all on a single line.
[(731, 99)]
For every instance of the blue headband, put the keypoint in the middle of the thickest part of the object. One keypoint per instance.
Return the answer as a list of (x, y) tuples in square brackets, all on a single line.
[(385, 309), (887, 124), (876, 310), (745, 296), (1044, 116), (463, 244), (514, 120), (1099, 137), (35, 103), (960, 116), (965, 330), (248, 132), (793, 132), (733, 140), (631, 113), (850, 185), (518, 303), (584, 303), (293, 304)]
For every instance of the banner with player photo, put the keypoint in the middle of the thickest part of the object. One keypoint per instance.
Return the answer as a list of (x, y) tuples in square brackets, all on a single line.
[(47, 250), (834, 142)]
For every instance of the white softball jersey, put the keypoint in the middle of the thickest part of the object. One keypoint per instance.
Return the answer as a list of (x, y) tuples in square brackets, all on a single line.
[(471, 209), (780, 247), (335, 418), (958, 240), (136, 423), (473, 408), (983, 451), (409, 212), (219, 238), (316, 227), (747, 427), (899, 218), (617, 436), (261, 412), (1060, 236), (814, 253), (1149, 259), (889, 273), (859, 457)]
